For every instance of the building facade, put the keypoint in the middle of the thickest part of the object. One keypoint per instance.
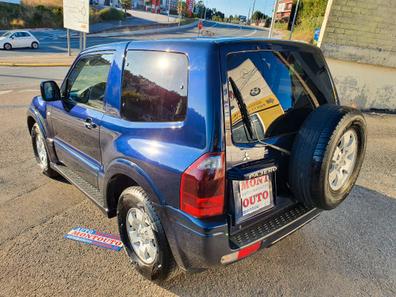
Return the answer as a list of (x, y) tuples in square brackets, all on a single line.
[(359, 41), (156, 5), (284, 10)]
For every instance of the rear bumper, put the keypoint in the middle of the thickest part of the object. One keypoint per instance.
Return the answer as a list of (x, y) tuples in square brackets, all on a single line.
[(197, 245)]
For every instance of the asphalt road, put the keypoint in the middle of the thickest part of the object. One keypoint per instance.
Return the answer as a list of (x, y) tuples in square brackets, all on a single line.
[(350, 251), (54, 40)]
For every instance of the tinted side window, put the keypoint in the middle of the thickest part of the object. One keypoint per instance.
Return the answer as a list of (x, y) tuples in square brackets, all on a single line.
[(154, 87), (87, 81)]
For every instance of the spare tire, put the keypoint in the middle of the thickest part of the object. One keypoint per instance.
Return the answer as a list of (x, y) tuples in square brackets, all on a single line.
[(327, 155)]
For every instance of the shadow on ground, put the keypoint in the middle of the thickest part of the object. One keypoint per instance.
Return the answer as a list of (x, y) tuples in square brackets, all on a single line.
[(349, 251)]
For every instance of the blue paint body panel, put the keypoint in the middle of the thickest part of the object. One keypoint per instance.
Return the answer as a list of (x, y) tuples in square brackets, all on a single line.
[(154, 155)]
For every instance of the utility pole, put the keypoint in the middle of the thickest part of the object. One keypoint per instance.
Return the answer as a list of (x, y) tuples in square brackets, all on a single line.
[(68, 42), (273, 18), (84, 40), (254, 4), (169, 2), (294, 20), (180, 6), (81, 41)]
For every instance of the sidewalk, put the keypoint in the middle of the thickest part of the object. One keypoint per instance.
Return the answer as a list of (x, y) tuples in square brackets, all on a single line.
[(134, 26), (138, 20), (51, 60), (146, 30)]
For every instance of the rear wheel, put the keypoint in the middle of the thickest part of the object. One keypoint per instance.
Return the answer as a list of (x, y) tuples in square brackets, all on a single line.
[(327, 156), (35, 45), (143, 235), (7, 46)]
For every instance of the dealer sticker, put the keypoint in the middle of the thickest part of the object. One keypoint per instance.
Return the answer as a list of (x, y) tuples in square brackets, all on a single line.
[(90, 236), (256, 194)]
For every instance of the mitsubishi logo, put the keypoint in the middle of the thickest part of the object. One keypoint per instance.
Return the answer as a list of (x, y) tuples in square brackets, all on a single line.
[(246, 157)]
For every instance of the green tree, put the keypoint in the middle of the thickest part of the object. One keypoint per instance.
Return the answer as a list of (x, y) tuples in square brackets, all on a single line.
[(311, 12), (125, 4), (258, 15), (199, 9)]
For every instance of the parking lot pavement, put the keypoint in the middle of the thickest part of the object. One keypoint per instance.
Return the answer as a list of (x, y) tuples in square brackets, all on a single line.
[(349, 251), (53, 42)]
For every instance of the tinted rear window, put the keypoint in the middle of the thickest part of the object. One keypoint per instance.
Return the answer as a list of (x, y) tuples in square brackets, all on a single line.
[(154, 86), (278, 89)]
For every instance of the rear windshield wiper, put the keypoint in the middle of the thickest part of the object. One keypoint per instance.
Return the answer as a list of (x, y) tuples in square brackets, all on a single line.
[(242, 108), (246, 119)]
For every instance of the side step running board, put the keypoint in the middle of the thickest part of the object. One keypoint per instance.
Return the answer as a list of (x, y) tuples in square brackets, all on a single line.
[(92, 192)]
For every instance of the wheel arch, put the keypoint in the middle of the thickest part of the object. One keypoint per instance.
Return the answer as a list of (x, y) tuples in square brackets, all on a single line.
[(34, 117), (30, 122), (121, 174)]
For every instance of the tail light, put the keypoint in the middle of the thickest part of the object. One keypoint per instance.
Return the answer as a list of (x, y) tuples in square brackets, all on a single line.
[(202, 186)]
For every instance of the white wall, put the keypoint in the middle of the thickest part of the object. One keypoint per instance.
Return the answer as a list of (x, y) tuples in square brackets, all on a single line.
[(364, 86)]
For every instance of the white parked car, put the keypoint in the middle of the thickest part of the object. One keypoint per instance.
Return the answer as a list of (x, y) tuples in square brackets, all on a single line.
[(15, 39)]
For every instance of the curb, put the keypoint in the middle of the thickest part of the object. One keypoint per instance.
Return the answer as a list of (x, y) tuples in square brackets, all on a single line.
[(7, 64)]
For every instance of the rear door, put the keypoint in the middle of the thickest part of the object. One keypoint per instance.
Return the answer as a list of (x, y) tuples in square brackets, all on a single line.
[(268, 93), (25, 39), (76, 120)]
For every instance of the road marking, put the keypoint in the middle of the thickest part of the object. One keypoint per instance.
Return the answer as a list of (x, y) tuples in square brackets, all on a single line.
[(27, 90), (252, 33), (17, 91)]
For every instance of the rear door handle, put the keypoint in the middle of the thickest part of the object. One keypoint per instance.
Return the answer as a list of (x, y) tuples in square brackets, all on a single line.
[(89, 124)]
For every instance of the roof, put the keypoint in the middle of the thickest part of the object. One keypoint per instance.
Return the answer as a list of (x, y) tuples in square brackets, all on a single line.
[(201, 42)]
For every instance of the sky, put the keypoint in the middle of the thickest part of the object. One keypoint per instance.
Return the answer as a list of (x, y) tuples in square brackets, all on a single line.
[(240, 7)]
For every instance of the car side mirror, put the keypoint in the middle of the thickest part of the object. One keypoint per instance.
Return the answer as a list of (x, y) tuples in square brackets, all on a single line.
[(50, 91)]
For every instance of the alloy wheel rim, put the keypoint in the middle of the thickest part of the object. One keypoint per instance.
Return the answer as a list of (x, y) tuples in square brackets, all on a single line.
[(343, 160), (141, 235), (41, 152)]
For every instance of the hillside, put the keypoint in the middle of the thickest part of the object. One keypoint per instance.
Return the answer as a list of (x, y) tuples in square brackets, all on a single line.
[(51, 3)]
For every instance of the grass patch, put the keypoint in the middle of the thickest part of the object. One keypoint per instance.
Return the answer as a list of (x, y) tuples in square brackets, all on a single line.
[(24, 16), (48, 3), (39, 16), (310, 17), (106, 14)]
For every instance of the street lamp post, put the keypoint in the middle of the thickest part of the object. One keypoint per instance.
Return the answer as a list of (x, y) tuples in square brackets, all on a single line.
[(294, 20), (169, 5), (254, 4), (273, 18)]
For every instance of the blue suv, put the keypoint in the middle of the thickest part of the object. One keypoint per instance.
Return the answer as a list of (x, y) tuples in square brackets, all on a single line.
[(206, 150)]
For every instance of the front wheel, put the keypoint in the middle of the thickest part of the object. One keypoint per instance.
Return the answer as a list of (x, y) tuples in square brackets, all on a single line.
[(35, 45), (40, 151), (7, 46), (143, 235)]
